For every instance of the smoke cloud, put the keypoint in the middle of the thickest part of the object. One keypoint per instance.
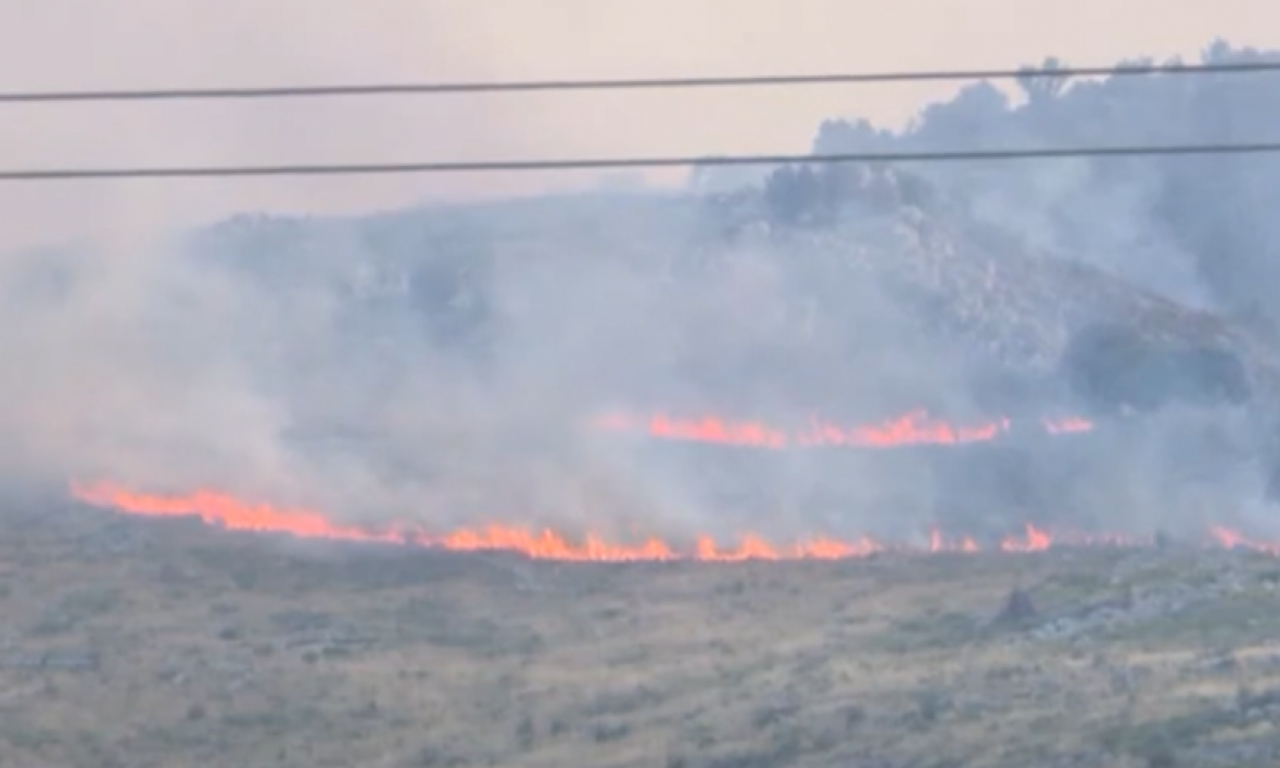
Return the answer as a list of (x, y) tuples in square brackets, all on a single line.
[(442, 365)]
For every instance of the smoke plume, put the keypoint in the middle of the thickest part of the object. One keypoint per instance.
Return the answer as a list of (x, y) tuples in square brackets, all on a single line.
[(443, 365)]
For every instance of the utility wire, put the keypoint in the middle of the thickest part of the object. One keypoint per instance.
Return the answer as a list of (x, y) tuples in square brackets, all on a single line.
[(372, 169), (389, 89)]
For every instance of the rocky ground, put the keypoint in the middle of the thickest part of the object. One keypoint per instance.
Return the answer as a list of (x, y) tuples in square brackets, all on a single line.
[(140, 643)]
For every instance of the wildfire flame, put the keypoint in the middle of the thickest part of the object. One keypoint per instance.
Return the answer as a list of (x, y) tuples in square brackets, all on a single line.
[(914, 428), (234, 514), (1233, 540)]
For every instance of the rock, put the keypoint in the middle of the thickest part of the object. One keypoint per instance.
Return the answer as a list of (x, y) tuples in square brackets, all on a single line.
[(1018, 607)]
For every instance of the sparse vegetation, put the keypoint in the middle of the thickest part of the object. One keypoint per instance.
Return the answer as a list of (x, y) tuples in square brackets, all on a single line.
[(752, 664)]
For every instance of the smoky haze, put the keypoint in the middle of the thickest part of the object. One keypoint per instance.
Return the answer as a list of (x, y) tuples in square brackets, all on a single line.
[(441, 365), (72, 45)]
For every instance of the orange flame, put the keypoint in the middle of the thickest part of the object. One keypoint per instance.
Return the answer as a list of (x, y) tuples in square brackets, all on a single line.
[(1235, 540), (231, 513), (914, 428), (1067, 426)]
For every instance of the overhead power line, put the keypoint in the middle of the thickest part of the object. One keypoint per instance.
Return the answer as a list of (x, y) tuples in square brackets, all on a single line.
[(512, 86), (374, 169)]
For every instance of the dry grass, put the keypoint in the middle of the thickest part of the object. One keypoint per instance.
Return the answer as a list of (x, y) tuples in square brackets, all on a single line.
[(132, 643)]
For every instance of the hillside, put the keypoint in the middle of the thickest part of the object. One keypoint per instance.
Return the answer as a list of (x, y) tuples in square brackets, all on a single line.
[(886, 297)]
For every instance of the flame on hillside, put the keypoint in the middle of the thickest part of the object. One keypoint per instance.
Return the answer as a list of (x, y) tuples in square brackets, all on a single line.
[(228, 512), (914, 428)]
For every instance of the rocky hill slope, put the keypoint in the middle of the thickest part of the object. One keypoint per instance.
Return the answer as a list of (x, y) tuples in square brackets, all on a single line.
[(975, 285)]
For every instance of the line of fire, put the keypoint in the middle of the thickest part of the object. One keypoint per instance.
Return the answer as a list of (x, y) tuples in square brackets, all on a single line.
[(956, 449)]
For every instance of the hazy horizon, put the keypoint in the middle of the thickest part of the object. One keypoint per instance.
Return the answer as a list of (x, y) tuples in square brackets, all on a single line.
[(165, 43)]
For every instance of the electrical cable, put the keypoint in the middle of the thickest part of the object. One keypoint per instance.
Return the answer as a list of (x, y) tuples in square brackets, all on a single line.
[(64, 174), (514, 86)]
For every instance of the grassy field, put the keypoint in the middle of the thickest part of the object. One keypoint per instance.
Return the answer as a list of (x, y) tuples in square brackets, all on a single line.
[(137, 643)]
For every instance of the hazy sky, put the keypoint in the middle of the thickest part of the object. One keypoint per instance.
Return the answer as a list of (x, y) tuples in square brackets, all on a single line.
[(95, 43)]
